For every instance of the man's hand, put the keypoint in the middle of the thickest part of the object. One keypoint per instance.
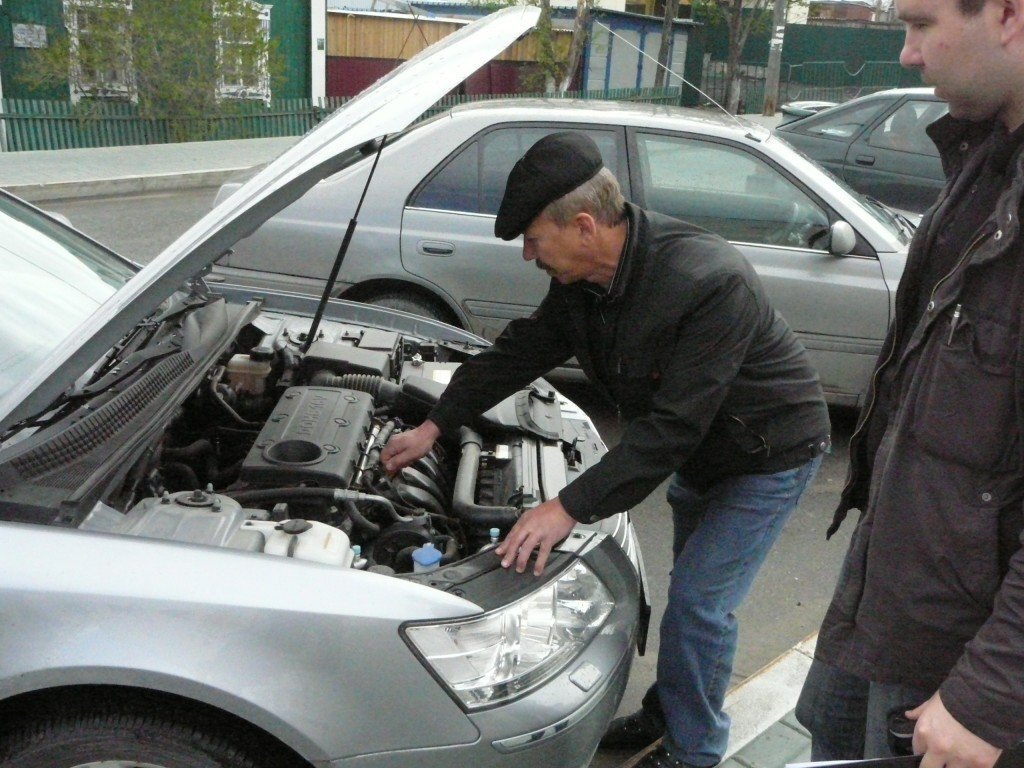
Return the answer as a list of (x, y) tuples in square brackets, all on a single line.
[(406, 447), (945, 742), (540, 528)]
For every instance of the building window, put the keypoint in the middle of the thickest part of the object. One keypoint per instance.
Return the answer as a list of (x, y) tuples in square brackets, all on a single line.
[(242, 53), (100, 67)]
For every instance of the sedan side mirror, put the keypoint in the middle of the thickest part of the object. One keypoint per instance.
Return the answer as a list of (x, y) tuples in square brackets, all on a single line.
[(842, 239)]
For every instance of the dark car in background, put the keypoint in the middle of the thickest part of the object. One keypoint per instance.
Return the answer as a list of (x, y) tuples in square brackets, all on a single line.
[(878, 145)]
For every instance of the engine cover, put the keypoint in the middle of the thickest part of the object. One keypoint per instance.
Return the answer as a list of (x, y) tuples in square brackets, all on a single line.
[(315, 435)]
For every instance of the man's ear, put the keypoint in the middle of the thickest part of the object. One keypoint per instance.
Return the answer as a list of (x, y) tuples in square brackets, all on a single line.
[(1011, 21), (586, 224)]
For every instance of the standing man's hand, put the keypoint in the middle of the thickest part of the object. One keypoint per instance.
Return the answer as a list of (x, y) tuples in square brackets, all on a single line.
[(540, 528), (945, 742), (406, 447)]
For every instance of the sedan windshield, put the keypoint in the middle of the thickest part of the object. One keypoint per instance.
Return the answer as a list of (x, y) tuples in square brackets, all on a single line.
[(53, 280)]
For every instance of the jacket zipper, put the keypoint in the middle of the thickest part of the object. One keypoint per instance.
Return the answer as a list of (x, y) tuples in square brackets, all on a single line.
[(874, 378)]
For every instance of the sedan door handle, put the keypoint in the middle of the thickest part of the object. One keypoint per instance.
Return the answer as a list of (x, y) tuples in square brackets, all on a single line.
[(865, 160), (435, 248)]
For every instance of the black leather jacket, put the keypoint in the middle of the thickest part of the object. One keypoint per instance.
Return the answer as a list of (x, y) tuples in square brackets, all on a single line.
[(932, 593), (712, 380)]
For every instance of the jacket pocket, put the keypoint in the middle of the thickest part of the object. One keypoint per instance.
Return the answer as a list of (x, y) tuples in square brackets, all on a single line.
[(965, 411), (639, 378)]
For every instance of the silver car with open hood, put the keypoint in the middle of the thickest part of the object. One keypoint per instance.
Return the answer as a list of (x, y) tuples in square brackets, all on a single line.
[(204, 563)]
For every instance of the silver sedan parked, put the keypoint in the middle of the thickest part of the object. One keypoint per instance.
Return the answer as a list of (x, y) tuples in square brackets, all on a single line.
[(425, 238)]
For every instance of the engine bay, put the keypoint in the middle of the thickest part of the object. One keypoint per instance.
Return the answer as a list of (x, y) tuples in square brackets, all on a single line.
[(278, 451)]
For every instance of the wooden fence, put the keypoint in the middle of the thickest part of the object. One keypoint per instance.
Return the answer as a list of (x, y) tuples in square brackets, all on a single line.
[(32, 124)]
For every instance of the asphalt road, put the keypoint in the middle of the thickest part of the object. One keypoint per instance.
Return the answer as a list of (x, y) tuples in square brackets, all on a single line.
[(791, 594)]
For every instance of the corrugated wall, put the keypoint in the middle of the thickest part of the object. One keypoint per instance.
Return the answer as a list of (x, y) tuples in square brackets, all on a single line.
[(289, 25), (362, 48), (400, 37)]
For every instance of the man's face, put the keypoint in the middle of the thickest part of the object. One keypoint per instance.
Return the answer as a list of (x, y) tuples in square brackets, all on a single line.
[(557, 250), (958, 54)]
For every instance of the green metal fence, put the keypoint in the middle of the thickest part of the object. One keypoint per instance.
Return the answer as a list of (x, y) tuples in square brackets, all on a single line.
[(27, 124), (817, 80), (837, 81)]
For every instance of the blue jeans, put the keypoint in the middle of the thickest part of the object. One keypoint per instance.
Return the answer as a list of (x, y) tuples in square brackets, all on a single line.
[(847, 715), (722, 537)]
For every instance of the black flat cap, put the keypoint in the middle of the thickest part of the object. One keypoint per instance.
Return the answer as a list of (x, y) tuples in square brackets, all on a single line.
[(552, 167)]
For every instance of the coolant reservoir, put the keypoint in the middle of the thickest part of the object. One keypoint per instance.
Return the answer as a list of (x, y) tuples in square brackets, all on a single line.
[(303, 540), (247, 375)]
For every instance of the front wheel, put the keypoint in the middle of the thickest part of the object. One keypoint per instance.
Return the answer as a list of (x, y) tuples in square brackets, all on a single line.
[(414, 304), (135, 732)]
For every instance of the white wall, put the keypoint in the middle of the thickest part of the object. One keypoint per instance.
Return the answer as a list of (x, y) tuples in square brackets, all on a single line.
[(318, 48)]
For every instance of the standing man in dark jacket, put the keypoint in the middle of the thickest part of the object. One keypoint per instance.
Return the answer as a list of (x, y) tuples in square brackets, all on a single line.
[(673, 323), (928, 614)]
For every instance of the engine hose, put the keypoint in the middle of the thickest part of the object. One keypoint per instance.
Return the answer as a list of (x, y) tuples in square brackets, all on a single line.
[(358, 520), (451, 550), (463, 504), (332, 495), (375, 386), (180, 474), (201, 452), (218, 374)]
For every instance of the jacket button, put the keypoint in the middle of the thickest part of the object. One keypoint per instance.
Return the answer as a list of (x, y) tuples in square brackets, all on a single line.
[(999, 234), (964, 146), (931, 305), (986, 496)]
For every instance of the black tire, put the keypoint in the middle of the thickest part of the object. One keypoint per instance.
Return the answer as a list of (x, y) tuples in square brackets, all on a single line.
[(414, 304), (136, 731)]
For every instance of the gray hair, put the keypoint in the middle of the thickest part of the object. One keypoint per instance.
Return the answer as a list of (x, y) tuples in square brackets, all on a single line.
[(601, 197)]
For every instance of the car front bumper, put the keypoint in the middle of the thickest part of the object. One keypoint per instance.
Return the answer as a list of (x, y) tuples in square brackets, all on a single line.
[(559, 723)]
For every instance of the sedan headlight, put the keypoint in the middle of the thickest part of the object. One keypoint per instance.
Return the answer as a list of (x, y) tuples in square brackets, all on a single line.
[(495, 657)]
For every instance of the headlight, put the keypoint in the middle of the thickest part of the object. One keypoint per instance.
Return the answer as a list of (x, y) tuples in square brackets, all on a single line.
[(495, 657)]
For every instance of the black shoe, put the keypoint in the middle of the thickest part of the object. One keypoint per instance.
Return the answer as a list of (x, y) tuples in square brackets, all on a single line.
[(660, 758), (634, 731)]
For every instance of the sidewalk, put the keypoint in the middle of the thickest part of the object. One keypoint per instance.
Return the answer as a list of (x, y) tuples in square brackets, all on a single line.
[(71, 173), (764, 733)]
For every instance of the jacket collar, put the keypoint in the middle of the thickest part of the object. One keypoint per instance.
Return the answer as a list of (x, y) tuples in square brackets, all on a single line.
[(955, 138), (627, 266)]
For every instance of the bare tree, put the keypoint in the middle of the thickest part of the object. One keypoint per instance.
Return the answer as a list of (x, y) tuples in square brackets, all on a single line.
[(671, 9), (740, 17), (579, 39)]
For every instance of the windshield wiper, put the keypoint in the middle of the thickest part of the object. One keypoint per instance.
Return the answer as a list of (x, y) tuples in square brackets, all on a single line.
[(906, 225)]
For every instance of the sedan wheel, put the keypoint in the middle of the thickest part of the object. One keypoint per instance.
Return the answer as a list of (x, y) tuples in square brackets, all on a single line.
[(414, 304), (138, 732)]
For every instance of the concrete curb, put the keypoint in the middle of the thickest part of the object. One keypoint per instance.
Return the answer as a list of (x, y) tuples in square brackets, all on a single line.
[(126, 185), (768, 695), (760, 701)]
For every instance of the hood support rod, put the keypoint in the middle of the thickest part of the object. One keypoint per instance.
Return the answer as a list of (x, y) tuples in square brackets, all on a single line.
[(342, 250)]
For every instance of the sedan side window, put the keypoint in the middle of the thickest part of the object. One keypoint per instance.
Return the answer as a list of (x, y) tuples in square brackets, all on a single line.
[(904, 129), (473, 179), (727, 190), (844, 123)]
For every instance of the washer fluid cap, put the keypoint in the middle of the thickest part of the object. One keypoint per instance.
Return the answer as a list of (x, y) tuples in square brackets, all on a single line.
[(426, 558)]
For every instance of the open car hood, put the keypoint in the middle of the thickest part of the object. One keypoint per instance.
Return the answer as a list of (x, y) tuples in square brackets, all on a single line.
[(388, 106)]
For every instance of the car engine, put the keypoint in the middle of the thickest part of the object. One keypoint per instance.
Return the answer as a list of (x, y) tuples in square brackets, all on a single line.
[(279, 451)]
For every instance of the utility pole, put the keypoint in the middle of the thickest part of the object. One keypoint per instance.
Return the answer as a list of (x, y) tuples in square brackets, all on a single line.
[(771, 85)]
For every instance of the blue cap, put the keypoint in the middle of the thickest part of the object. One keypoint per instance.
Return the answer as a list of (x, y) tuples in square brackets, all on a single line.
[(426, 556)]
